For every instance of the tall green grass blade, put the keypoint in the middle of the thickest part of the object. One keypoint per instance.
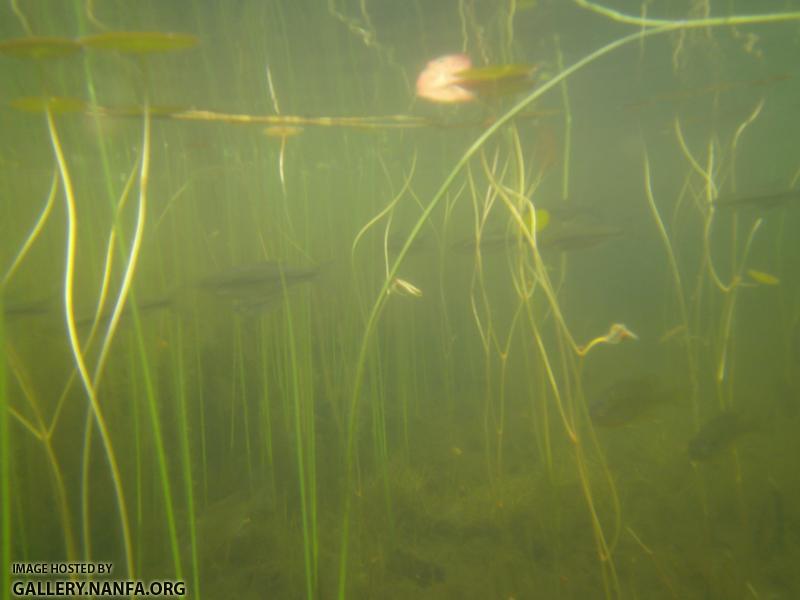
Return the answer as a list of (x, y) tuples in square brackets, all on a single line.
[(300, 434), (186, 454), (5, 469)]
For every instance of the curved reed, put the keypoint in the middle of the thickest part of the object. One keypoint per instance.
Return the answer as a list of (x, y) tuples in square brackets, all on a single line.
[(34, 234), (80, 361), (656, 27), (5, 460)]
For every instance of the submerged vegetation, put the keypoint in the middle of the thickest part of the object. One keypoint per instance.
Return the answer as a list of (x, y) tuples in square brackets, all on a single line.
[(274, 324)]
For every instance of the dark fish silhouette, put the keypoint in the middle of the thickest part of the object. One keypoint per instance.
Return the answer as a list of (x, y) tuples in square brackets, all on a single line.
[(626, 400), (421, 243), (718, 434), (576, 236), (249, 288), (144, 306), (422, 572), (558, 237), (33, 308), (760, 202), (255, 286)]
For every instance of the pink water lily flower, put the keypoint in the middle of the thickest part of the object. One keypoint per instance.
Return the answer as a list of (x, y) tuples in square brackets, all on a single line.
[(439, 82)]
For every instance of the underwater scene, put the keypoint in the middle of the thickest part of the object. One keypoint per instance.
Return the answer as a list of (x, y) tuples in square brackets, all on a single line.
[(373, 299)]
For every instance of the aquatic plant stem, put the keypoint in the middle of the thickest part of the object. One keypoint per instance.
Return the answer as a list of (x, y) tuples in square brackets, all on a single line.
[(34, 234), (300, 433), (23, 20), (5, 466), (198, 361), (99, 310), (386, 211), (528, 235), (656, 563), (150, 394), (447, 336), (478, 291), (80, 362), (736, 136), (186, 455), (522, 203), (126, 290), (567, 123), (108, 269), (676, 279), (266, 409), (377, 307), (137, 445), (86, 457), (87, 437), (732, 21), (730, 306), (381, 297), (379, 438), (241, 391), (711, 193), (39, 431), (603, 548)]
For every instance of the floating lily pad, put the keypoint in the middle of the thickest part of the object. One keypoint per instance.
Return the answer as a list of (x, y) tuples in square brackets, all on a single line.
[(56, 104), (496, 79), (140, 42), (39, 47)]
